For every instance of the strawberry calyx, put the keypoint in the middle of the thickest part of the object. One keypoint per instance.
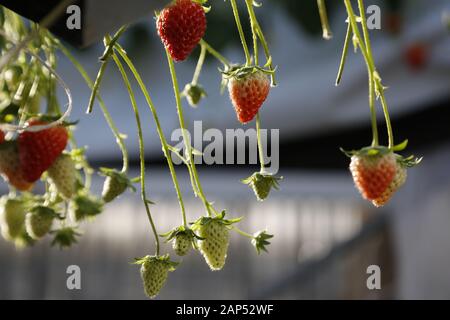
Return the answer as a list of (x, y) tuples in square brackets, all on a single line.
[(65, 237), (220, 218), (260, 241), (181, 230), (193, 94), (242, 71), (183, 239), (408, 162), (165, 259)]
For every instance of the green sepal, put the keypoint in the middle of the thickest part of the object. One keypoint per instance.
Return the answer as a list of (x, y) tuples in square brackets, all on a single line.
[(171, 265), (65, 237), (409, 162), (170, 235), (367, 151), (260, 241), (401, 146), (219, 218)]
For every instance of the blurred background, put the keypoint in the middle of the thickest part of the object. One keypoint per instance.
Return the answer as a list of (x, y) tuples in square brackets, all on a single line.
[(326, 236)]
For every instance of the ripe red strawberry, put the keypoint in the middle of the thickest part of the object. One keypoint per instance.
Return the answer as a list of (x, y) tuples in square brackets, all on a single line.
[(398, 181), (181, 26), (10, 167), (38, 150), (373, 172), (416, 56), (248, 91), (2, 137)]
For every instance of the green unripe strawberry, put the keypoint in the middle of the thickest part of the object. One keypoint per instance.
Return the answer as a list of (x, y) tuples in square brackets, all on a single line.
[(194, 93), (182, 244), (12, 217), (23, 240), (214, 235), (154, 272), (262, 184), (39, 221), (214, 247), (63, 175), (115, 184), (85, 206), (183, 239)]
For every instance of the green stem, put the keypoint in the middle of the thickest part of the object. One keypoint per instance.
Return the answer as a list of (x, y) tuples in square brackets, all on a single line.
[(104, 59), (162, 138), (198, 68), (103, 107), (253, 21), (376, 85), (242, 233), (362, 43), (241, 32), (327, 34), (260, 147), (215, 53), (348, 36), (141, 148), (187, 142), (265, 46)]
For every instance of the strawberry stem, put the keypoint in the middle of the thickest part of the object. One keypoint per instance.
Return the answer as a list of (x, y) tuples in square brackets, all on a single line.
[(256, 30), (187, 142), (327, 34), (141, 149), (242, 233), (260, 147), (101, 72), (348, 36), (198, 68), (215, 53), (241, 32), (369, 63), (159, 130), (106, 114), (253, 20)]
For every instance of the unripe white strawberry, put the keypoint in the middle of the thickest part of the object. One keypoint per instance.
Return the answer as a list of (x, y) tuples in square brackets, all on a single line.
[(12, 217), (63, 174), (39, 221), (154, 272)]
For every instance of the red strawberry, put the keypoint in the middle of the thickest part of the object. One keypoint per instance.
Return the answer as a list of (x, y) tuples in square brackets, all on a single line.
[(373, 172), (248, 92), (10, 166), (2, 137), (38, 150), (181, 26), (416, 55)]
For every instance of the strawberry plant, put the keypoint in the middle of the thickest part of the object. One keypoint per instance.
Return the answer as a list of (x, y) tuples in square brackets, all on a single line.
[(37, 144)]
